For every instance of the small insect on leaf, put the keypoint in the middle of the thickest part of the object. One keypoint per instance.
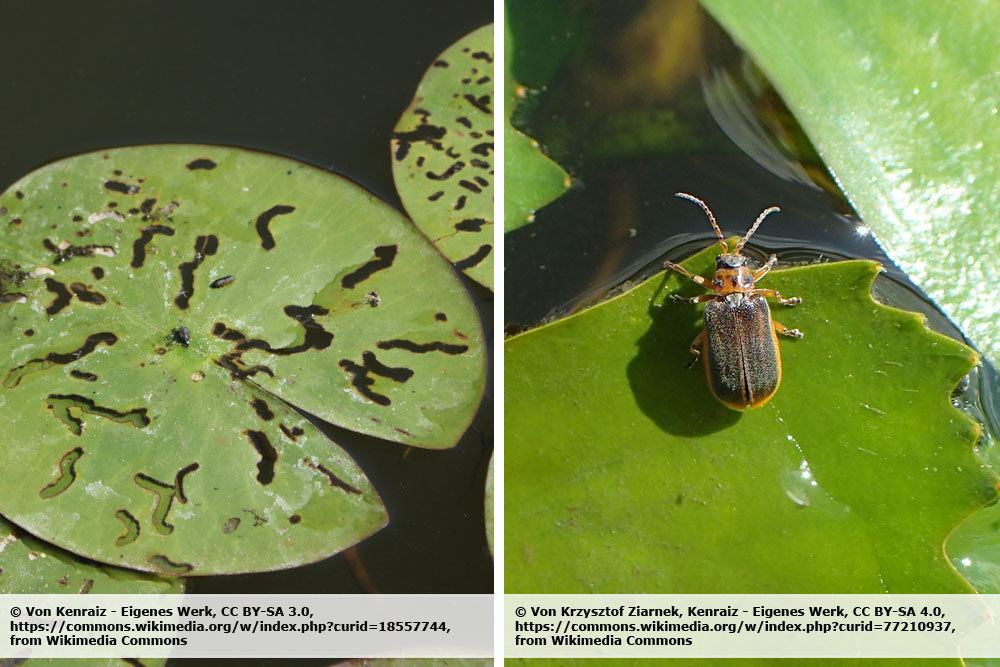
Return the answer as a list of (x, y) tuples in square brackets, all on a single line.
[(738, 346)]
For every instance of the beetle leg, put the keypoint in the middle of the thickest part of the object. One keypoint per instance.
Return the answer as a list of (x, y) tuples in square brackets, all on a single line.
[(790, 301), (695, 349), (695, 299), (759, 273), (684, 272), (785, 331)]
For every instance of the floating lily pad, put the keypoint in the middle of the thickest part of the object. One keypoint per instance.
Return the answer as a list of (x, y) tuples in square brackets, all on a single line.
[(618, 454), (160, 306), (531, 178), (443, 157)]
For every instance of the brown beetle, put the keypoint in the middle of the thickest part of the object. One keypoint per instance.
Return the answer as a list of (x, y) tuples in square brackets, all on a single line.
[(739, 344)]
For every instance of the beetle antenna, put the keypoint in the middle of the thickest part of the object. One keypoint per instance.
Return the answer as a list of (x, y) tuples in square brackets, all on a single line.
[(760, 218), (711, 218)]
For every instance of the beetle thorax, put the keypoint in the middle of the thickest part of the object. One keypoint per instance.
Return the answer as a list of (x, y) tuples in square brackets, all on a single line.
[(732, 280)]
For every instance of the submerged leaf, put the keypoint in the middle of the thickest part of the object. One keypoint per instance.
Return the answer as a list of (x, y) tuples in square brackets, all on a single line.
[(656, 487), (531, 178), (163, 303), (443, 155), (489, 506)]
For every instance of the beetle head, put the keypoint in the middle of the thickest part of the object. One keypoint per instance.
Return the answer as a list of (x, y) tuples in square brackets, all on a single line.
[(730, 260)]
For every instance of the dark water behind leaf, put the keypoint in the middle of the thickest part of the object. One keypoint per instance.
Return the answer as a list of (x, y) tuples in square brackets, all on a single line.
[(322, 82), (640, 99)]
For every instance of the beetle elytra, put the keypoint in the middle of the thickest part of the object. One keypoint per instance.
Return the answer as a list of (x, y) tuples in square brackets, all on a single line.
[(739, 344)]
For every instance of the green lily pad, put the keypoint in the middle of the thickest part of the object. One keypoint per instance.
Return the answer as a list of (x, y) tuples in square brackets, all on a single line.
[(443, 155), (531, 178), (618, 454), (419, 662), (29, 566), (162, 304), (900, 100)]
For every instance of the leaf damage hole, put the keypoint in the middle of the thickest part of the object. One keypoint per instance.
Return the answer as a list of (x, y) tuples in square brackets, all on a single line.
[(66, 251), (179, 481), (264, 222), (268, 455), (67, 474), (423, 133), (164, 565), (262, 409), (14, 375), (163, 497), (147, 234), (421, 348), (291, 433), (204, 246), (331, 478), (475, 258), (201, 163), (70, 408), (123, 188), (362, 380), (385, 255), (83, 375), (131, 526)]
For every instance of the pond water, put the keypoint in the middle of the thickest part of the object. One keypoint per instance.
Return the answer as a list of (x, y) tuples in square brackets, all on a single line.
[(321, 82), (639, 99)]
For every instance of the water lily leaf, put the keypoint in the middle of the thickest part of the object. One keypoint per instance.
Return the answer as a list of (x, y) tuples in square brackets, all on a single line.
[(419, 662), (443, 155), (29, 566), (161, 306), (656, 487), (900, 99), (531, 178)]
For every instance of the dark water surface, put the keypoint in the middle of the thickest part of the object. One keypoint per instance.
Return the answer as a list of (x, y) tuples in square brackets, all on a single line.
[(322, 82)]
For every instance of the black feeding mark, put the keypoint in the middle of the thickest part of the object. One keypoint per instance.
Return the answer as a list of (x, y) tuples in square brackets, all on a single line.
[(221, 282), (482, 181), (469, 185), (452, 152), (67, 474), (146, 207), (315, 338), (471, 224), (262, 409), (464, 121), (83, 375), (98, 272), (201, 163), (268, 456), (363, 382), (65, 252), (220, 330), (124, 188), (483, 79), (332, 479), (483, 55), (483, 149), (435, 196), (429, 134), (440, 317), (482, 102), (61, 299), (179, 481), (420, 348), (231, 524), (87, 295), (475, 258), (166, 566), (460, 202), (447, 173), (203, 246), (62, 404), (482, 164), (264, 220), (14, 376), (440, 63), (291, 433), (384, 257), (139, 247), (294, 519)]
